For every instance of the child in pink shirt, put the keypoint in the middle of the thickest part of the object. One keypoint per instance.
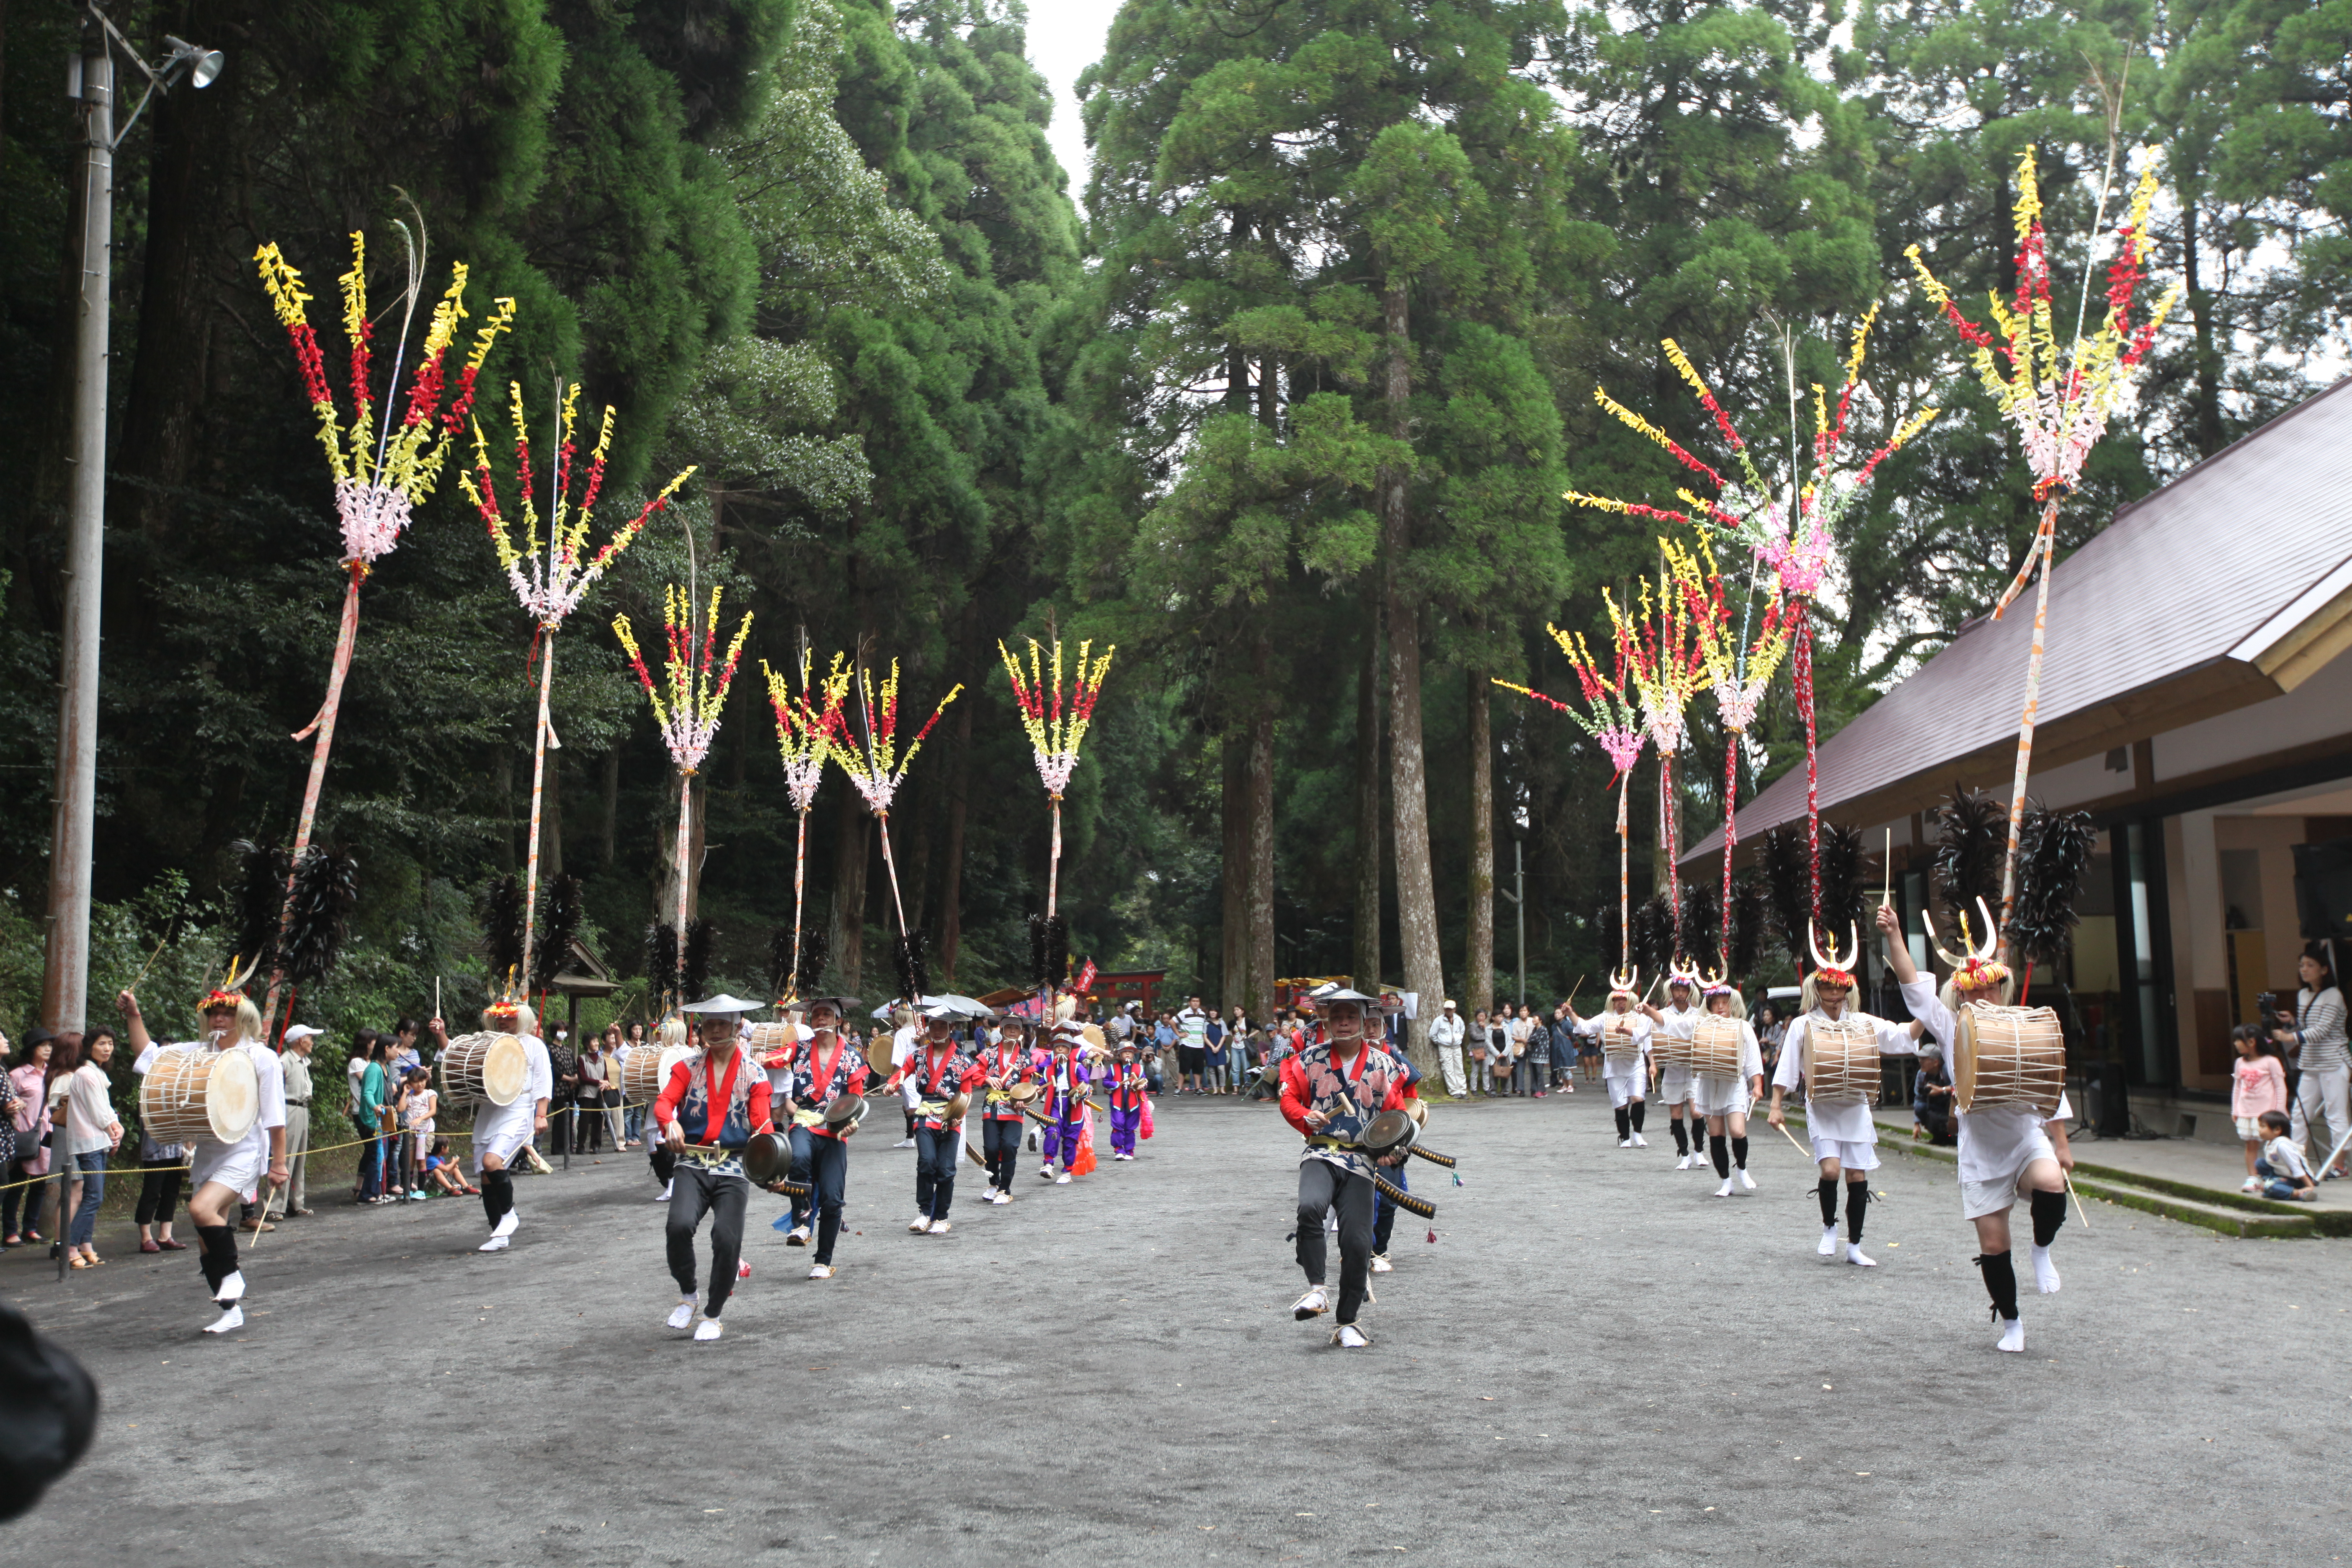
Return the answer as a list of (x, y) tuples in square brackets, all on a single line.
[(2257, 1084)]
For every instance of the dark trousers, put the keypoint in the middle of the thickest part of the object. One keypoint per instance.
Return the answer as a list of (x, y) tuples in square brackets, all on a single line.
[(1323, 1185), (700, 1192), (828, 1169), (801, 1139), (1385, 1224), (159, 1194), (588, 1128), (29, 1197), (1001, 1142), (936, 1154)]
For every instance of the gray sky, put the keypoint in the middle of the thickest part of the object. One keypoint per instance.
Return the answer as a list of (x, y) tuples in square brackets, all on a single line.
[(1066, 36)]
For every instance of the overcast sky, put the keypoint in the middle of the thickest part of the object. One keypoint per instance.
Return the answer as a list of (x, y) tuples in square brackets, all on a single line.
[(1066, 36)]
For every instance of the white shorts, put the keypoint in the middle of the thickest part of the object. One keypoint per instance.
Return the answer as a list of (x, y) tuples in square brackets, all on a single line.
[(1999, 1194), (1674, 1086), (1851, 1156), (2250, 1128), (1622, 1090), (1722, 1096), (504, 1138), (239, 1167)]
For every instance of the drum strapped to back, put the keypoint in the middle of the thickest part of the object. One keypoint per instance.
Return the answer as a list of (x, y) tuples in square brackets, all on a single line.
[(1842, 1060), (1715, 1046), (1669, 1049), (1617, 1043), (765, 1040), (2009, 1056), (193, 1094), (491, 1066)]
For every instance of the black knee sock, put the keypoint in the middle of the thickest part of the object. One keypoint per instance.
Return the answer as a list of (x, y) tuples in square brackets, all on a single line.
[(1722, 1158), (1624, 1124), (2001, 1283), (1738, 1152), (1682, 1138), (1639, 1107), (497, 1196), (1699, 1135), (1857, 1204), (217, 1256), (2049, 1214), (1829, 1200)]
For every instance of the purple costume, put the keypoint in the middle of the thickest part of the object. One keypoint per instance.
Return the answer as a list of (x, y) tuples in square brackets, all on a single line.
[(1127, 1089), (1066, 1094)]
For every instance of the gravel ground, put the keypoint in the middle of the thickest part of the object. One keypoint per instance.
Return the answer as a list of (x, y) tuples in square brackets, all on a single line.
[(1597, 1359)]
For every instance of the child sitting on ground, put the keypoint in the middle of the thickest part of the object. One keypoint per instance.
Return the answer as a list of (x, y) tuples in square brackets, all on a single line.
[(441, 1173), (2285, 1175)]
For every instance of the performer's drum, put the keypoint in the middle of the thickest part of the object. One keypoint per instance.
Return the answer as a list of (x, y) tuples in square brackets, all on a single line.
[(765, 1040), (194, 1094), (2009, 1056), (1668, 1049), (1842, 1061), (1617, 1045), (646, 1072), (1715, 1046), (486, 1066), (877, 1055)]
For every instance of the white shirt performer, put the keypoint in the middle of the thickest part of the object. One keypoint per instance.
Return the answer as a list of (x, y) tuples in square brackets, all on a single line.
[(1843, 1135), (2004, 1148), (1624, 1037), (227, 1174), (1678, 1020), (1445, 1033), (502, 1132), (1724, 1101)]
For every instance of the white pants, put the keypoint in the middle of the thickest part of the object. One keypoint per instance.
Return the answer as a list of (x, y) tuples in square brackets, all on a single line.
[(1673, 1085), (1713, 1096), (1449, 1061), (2320, 1097), (1849, 1156), (1622, 1090), (501, 1129)]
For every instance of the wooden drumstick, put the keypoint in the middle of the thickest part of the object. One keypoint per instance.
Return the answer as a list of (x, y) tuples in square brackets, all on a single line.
[(1887, 897), (2077, 1197)]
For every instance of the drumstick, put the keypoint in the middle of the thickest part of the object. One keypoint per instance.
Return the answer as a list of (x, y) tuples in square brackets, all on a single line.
[(2076, 1196), (1792, 1137), (148, 964), (1888, 896)]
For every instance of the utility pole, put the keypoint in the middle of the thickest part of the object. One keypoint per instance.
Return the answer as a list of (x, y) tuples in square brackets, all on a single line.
[(90, 81), (1519, 897), (65, 982)]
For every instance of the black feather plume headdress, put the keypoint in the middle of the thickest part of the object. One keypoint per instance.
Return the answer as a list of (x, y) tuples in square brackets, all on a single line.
[(694, 962), (1842, 895), (1609, 926), (1751, 923), (502, 934), (2053, 851), (1788, 873), (911, 958), (565, 916), (1049, 952), (661, 965), (1972, 840), (260, 903), (326, 892)]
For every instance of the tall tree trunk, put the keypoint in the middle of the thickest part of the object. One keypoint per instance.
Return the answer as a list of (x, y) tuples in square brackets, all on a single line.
[(852, 848), (610, 844), (1369, 815), (1258, 989), (952, 879), (2207, 399), (1478, 945), (1408, 780), (1232, 948)]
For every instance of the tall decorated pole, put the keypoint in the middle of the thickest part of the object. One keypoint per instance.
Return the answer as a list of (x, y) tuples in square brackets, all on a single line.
[(1740, 670), (1609, 716), (1662, 654), (2060, 403), (877, 768), (810, 723), (383, 467), (551, 577), (1057, 727), (687, 703), (1792, 530)]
